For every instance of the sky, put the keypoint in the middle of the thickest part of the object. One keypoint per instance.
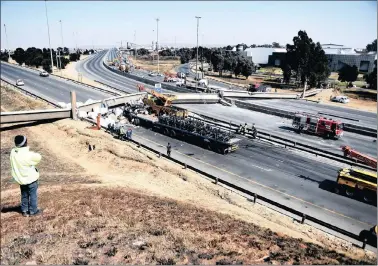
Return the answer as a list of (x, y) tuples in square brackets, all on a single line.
[(107, 23)]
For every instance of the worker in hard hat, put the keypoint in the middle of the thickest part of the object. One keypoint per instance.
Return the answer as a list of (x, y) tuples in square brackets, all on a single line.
[(24, 172)]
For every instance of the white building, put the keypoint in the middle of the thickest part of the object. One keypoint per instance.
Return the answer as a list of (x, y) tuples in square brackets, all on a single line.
[(260, 55)]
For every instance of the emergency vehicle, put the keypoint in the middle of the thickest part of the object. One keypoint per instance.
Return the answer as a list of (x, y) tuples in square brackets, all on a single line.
[(318, 125)]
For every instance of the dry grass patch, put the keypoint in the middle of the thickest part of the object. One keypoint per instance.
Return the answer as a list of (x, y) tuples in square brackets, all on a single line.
[(84, 225)]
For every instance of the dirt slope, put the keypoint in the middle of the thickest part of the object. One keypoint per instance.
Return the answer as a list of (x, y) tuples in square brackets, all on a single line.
[(120, 204)]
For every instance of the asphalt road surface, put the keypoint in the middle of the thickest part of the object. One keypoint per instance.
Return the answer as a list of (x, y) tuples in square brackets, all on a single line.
[(53, 88), (351, 116), (308, 179), (93, 68), (301, 181), (283, 127)]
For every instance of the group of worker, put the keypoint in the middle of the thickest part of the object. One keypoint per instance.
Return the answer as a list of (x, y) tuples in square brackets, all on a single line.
[(124, 134), (243, 129)]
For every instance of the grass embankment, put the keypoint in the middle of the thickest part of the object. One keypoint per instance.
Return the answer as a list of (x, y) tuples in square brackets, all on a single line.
[(119, 204)]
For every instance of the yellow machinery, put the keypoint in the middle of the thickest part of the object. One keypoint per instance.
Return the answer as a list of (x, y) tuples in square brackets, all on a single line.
[(355, 182), (162, 104)]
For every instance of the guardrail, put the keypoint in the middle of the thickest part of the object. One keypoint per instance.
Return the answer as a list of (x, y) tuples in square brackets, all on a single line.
[(34, 95), (289, 115), (144, 80), (289, 143), (74, 81), (303, 216)]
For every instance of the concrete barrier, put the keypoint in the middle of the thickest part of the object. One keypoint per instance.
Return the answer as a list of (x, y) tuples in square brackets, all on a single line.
[(113, 102), (35, 115), (146, 81), (193, 98), (366, 131)]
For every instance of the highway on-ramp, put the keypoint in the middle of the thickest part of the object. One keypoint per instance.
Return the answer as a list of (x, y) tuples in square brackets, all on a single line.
[(298, 180), (54, 88)]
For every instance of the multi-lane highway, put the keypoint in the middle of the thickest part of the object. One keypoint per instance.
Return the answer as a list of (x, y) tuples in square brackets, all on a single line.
[(53, 88), (93, 68), (283, 127), (300, 181), (351, 116)]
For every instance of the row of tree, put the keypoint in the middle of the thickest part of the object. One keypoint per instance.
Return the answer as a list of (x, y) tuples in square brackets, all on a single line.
[(42, 57)]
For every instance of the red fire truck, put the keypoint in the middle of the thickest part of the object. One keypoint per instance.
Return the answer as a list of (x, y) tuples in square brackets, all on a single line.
[(318, 125)]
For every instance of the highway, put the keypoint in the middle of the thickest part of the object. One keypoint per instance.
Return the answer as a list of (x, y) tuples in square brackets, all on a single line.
[(300, 181), (283, 127), (53, 88), (93, 68), (346, 115)]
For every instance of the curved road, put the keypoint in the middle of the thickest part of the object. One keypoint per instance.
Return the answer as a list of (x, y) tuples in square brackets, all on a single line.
[(301, 181)]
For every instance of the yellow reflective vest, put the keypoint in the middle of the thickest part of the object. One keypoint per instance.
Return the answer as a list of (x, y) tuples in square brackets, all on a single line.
[(23, 162)]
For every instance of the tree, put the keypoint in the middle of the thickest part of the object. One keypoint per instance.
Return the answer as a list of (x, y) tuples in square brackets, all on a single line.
[(74, 57), (19, 56), (66, 51), (217, 60), (143, 51), (253, 46), (276, 45), (247, 68), (371, 78), (86, 52), (184, 59), (46, 64), (306, 61), (348, 73), (372, 47), (4, 56)]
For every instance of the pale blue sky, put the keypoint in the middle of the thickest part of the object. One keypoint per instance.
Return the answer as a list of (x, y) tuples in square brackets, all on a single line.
[(104, 22)]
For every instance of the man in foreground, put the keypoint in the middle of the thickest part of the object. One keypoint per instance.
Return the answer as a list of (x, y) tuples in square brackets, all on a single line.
[(23, 162)]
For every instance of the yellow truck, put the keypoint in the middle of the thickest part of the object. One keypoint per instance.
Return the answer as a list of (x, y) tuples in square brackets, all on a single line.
[(357, 183)]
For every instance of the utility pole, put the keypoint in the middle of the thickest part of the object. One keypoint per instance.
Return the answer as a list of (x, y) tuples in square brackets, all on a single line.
[(175, 46), (135, 53), (157, 41), (48, 32), (197, 47), (202, 54), (75, 40), (61, 33), (6, 36)]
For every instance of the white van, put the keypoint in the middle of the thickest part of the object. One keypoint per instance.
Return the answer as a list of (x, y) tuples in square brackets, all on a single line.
[(340, 99)]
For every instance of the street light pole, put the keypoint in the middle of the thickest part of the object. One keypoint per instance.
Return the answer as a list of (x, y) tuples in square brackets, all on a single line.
[(61, 33), (197, 47), (157, 41), (135, 53), (48, 32), (175, 46), (6, 36)]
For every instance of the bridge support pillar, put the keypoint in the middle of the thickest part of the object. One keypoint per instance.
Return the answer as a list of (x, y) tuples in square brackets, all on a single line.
[(73, 105)]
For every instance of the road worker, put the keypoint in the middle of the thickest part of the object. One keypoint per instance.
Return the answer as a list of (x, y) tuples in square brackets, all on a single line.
[(24, 172), (169, 148), (122, 133), (129, 134), (254, 131)]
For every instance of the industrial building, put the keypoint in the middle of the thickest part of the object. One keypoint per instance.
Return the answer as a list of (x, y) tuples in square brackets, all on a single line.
[(338, 56)]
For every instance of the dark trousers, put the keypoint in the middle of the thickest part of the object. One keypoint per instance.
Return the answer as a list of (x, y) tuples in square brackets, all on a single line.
[(169, 153), (29, 198)]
